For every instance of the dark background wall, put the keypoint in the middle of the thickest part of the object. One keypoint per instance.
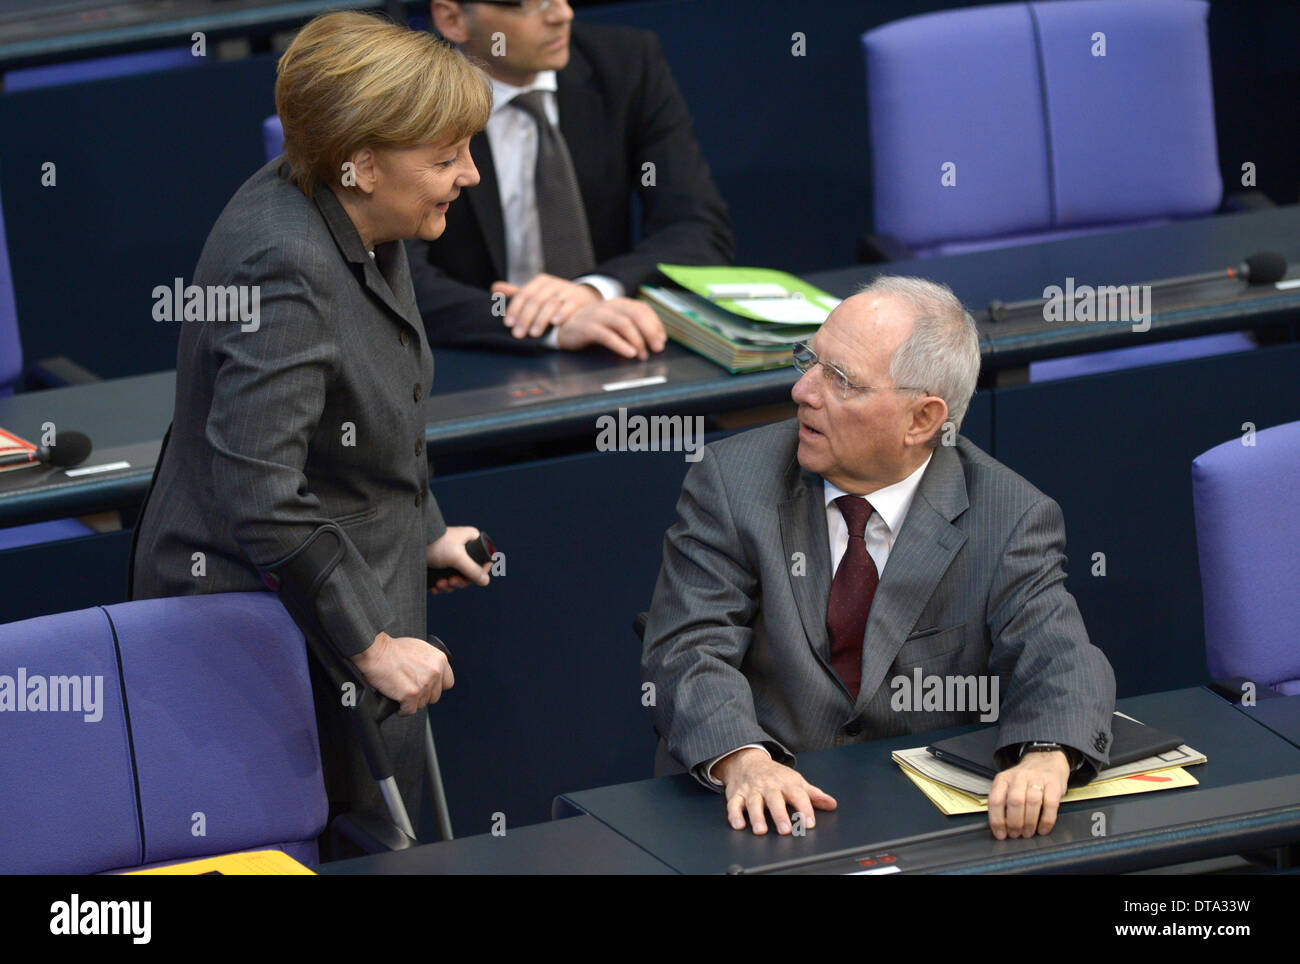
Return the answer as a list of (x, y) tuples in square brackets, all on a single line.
[(146, 163)]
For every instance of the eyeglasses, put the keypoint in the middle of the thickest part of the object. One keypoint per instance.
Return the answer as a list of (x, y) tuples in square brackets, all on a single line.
[(805, 358), (526, 7)]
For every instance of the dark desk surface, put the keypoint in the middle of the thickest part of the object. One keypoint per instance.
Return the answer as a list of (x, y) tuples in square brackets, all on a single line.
[(580, 845), (1131, 256), (479, 400), (482, 400), (1281, 715), (681, 823), (1128, 256)]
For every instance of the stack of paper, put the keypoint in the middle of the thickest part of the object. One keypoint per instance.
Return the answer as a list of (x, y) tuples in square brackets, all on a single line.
[(248, 863), (954, 790), (745, 319), (11, 444)]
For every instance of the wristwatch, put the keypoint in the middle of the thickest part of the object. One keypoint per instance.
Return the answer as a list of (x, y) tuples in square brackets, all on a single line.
[(1073, 756)]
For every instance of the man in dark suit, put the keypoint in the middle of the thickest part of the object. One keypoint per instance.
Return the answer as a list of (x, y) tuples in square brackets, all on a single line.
[(947, 566), (545, 254)]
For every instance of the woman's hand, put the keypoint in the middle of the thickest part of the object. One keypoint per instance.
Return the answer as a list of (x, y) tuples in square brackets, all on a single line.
[(449, 552)]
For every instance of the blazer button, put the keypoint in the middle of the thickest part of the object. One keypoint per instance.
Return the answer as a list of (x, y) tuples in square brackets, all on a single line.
[(853, 728), (419, 447), (405, 338), (418, 392), (419, 498)]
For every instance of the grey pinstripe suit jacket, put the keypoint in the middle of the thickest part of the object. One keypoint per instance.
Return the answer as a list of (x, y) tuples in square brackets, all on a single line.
[(259, 452), (737, 646)]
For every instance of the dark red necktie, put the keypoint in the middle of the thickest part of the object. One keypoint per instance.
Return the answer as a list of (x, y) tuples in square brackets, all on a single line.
[(852, 590)]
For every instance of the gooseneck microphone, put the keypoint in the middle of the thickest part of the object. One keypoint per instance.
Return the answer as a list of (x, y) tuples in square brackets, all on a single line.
[(69, 449), (1261, 268)]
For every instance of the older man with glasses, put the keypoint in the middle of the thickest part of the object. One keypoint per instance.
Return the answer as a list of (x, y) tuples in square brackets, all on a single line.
[(815, 561)]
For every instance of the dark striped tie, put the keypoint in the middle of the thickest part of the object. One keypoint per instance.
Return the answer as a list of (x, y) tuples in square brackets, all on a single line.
[(566, 239), (852, 590)]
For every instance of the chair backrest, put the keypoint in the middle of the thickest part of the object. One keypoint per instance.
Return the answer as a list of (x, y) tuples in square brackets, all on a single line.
[(1248, 541), (272, 136), (99, 68), (11, 346), (190, 731), (1046, 135)]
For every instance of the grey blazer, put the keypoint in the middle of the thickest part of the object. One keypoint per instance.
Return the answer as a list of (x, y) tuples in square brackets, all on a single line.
[(736, 642), (316, 415)]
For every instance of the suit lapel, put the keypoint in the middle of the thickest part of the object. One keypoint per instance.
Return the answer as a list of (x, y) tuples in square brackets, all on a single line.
[(392, 254), (803, 531), (921, 555), (485, 202)]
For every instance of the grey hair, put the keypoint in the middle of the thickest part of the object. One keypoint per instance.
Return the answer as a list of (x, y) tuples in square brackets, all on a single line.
[(942, 355)]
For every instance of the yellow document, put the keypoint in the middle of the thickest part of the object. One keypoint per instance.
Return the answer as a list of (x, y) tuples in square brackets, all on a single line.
[(953, 802), (251, 863)]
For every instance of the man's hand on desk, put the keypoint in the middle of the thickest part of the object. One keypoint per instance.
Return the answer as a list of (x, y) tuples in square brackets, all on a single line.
[(1025, 797), (581, 316), (544, 301), (623, 325), (752, 780)]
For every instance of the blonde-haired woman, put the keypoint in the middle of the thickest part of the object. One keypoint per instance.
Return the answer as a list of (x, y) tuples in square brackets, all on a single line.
[(296, 452)]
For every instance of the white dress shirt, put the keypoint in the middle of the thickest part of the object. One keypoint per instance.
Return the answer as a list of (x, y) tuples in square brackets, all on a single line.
[(512, 134), (891, 504)]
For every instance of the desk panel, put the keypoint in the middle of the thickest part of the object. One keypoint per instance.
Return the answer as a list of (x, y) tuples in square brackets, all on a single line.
[(581, 845), (1115, 451), (681, 823), (1281, 715)]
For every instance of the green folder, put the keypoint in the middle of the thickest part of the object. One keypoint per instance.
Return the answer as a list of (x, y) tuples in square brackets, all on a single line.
[(701, 279), (741, 334)]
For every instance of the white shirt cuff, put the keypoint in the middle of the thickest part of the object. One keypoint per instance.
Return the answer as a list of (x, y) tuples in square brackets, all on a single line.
[(552, 337), (607, 286), (708, 771)]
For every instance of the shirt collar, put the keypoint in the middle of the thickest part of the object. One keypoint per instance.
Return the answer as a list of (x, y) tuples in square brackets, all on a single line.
[(892, 502), (503, 93)]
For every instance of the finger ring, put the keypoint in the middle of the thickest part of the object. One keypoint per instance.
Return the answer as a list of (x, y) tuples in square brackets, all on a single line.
[(1035, 786)]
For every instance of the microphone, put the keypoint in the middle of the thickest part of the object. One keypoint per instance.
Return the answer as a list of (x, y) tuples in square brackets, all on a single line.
[(1261, 268), (70, 448)]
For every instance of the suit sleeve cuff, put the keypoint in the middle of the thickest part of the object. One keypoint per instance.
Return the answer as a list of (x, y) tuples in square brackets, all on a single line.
[(434, 526), (708, 766), (352, 607), (607, 287)]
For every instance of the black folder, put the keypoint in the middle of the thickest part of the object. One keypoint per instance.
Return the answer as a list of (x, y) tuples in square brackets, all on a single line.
[(1130, 741)]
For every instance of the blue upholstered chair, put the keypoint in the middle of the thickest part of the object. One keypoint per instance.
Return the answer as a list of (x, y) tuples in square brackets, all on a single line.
[(272, 136), (1046, 139), (204, 722), (11, 346), (1248, 540), (12, 375), (100, 68)]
